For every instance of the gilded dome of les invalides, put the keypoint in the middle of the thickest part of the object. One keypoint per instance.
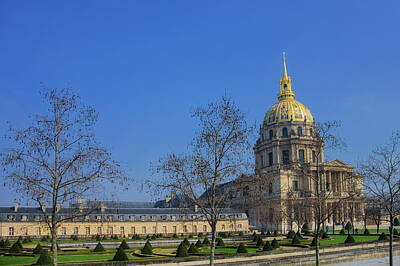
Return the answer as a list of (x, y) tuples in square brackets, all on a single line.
[(287, 108)]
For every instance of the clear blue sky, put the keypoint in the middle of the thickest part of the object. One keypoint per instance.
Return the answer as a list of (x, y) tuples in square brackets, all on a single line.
[(145, 64)]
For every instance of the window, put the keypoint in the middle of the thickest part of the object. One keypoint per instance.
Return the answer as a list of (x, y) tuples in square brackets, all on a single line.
[(154, 230), (314, 157), (25, 231), (223, 227), (121, 217), (285, 156), (301, 156), (239, 226), (143, 217), (143, 229), (231, 227), (295, 185), (271, 134), (11, 217), (194, 228), (311, 132), (132, 218), (270, 159), (99, 232), (262, 161), (284, 132), (87, 218), (24, 218), (98, 217), (153, 218), (205, 228), (75, 230), (110, 218), (164, 217), (38, 232), (164, 229), (185, 229), (174, 229), (122, 230), (299, 131), (110, 230), (173, 218), (10, 231), (64, 231), (270, 187), (133, 230)]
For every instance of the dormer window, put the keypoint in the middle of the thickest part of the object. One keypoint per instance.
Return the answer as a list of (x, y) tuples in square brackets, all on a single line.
[(285, 87)]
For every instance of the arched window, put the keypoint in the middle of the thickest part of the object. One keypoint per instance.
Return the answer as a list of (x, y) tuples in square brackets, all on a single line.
[(271, 134), (299, 131), (284, 132), (310, 131)]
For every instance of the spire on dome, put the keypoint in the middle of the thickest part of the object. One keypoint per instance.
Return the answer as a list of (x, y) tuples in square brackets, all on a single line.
[(284, 66), (286, 84)]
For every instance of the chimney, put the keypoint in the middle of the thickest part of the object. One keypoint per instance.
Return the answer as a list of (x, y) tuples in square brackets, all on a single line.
[(43, 207), (15, 206), (196, 208), (80, 204)]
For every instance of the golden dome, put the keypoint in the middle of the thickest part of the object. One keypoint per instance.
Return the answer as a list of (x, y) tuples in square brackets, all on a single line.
[(287, 108)]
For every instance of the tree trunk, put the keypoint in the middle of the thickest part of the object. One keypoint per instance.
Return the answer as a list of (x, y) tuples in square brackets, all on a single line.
[(54, 245), (391, 241), (212, 246), (317, 245)]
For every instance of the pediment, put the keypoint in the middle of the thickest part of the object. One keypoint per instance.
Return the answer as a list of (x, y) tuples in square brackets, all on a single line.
[(337, 163)]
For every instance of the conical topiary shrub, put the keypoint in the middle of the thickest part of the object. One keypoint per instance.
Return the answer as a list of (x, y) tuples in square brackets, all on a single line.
[(275, 233), (290, 234), (186, 242), (19, 244), (366, 231), (99, 248), (206, 242), (193, 249), (98, 237), (147, 249), (296, 240), (299, 236), (38, 249), (348, 227), (314, 242), (396, 222), (220, 242), (241, 248), (255, 238), (267, 246), (198, 243), (7, 243), (305, 229), (2, 244), (395, 232), (260, 242), (325, 235), (181, 250), (275, 243), (382, 236), (15, 248), (44, 259), (342, 232), (124, 245), (349, 240), (120, 255)]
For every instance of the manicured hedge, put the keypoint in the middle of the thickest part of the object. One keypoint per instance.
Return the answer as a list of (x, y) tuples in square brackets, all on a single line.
[(275, 244), (267, 246), (349, 240), (181, 250), (296, 240), (99, 248), (44, 259), (241, 249), (147, 249), (220, 242), (120, 255), (124, 245), (38, 249), (206, 242), (382, 236), (193, 249)]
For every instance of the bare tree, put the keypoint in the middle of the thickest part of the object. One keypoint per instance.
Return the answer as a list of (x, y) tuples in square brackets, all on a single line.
[(382, 174), (321, 194), (56, 160), (220, 152)]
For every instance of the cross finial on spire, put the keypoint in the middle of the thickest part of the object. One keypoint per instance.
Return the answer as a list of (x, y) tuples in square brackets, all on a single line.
[(284, 65)]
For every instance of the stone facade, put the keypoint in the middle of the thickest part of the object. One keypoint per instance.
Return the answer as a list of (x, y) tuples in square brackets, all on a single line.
[(121, 221)]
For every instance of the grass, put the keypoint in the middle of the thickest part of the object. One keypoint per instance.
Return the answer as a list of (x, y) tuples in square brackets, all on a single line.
[(361, 231), (339, 239), (228, 250)]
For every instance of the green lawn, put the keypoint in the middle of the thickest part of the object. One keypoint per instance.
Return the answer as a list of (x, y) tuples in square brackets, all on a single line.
[(361, 231), (339, 239), (228, 250)]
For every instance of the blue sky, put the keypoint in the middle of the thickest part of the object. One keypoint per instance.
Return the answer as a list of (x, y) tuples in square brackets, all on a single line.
[(145, 64)]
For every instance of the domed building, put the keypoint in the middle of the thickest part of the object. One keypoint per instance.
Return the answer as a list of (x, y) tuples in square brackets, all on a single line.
[(279, 196)]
